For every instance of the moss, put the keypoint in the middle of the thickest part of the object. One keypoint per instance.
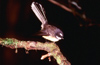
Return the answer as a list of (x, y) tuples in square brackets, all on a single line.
[(58, 59), (9, 41)]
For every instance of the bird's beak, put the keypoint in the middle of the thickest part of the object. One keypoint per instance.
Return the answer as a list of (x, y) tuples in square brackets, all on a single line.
[(62, 38)]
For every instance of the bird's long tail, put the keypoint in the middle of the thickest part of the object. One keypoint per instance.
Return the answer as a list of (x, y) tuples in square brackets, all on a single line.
[(39, 12)]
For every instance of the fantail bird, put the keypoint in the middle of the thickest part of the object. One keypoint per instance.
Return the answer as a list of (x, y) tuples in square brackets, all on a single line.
[(48, 32)]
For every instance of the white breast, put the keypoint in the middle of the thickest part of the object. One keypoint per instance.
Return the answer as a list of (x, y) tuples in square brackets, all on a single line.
[(51, 38)]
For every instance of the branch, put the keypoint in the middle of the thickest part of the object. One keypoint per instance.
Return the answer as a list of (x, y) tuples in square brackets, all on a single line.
[(51, 48), (71, 10), (60, 5)]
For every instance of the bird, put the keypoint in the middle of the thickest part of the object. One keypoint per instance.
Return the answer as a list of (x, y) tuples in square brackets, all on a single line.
[(48, 32)]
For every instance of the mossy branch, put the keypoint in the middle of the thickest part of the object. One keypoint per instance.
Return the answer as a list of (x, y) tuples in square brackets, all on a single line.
[(51, 48)]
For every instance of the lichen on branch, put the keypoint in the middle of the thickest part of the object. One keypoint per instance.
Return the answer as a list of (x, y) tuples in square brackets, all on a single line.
[(51, 48)]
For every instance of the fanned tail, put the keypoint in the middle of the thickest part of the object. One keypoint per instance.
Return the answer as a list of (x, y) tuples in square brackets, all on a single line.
[(39, 12)]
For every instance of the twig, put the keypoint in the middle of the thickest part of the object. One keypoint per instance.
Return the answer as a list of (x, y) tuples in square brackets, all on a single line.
[(51, 48), (60, 5), (69, 9)]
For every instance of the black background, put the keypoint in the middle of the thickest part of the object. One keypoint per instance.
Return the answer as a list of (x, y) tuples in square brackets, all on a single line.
[(80, 45)]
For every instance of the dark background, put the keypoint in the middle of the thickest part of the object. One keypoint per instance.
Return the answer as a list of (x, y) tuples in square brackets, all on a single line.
[(80, 45)]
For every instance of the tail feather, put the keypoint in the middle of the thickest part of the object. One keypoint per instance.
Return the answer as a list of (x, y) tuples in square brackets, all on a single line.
[(39, 12)]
